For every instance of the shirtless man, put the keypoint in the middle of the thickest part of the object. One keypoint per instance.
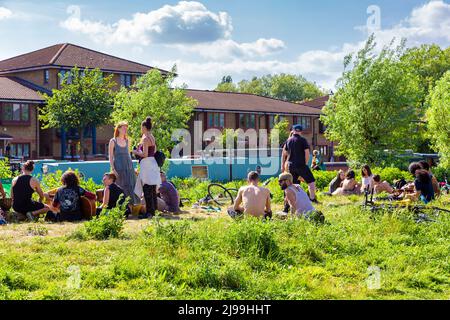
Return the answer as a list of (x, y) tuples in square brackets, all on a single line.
[(253, 200)]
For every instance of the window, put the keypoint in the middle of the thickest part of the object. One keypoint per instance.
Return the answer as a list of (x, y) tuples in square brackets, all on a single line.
[(322, 127), (125, 80), (304, 121), (272, 120), (46, 76), (216, 120), (62, 74), (20, 150), (247, 121), (16, 112), (323, 150)]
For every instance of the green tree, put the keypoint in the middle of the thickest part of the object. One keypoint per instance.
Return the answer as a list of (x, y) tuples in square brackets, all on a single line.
[(374, 106), (286, 87), (429, 63), (283, 130), (84, 100), (153, 96), (438, 119)]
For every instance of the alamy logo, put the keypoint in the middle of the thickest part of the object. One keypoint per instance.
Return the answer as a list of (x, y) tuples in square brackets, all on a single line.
[(374, 278)]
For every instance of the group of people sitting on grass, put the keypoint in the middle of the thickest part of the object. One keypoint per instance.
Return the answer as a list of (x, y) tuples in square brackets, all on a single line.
[(425, 186), (64, 204)]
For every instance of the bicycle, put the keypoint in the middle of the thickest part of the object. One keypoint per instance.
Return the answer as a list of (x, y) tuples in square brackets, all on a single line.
[(422, 212), (221, 195)]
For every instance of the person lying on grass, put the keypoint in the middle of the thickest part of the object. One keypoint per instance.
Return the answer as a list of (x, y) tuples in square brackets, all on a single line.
[(68, 198), (22, 191), (381, 186), (349, 185), (252, 199), (111, 194), (168, 197)]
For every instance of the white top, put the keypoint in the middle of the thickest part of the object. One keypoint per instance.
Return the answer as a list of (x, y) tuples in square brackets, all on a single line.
[(302, 202), (367, 182)]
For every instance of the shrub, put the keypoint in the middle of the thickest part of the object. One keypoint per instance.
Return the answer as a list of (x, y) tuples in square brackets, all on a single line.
[(323, 178), (5, 169), (53, 181), (109, 224), (441, 173)]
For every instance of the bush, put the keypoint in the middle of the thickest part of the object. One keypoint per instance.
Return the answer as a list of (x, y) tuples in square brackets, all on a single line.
[(53, 181), (441, 173), (323, 178), (109, 224), (5, 170), (391, 174)]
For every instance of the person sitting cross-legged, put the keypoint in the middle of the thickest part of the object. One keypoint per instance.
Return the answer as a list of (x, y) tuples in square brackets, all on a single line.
[(252, 199), (22, 191), (111, 194), (68, 198)]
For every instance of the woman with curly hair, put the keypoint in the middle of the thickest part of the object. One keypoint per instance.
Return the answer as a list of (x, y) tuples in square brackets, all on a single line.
[(68, 198)]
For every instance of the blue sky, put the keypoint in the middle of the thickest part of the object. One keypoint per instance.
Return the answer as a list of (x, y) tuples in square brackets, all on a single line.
[(208, 39)]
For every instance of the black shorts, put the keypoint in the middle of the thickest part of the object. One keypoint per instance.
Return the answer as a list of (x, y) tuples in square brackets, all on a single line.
[(301, 171), (28, 207)]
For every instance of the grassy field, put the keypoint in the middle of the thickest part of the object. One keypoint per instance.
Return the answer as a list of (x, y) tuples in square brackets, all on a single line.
[(208, 256)]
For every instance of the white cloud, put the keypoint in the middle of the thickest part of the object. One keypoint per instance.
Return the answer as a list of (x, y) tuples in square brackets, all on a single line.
[(5, 13), (228, 49), (185, 22), (429, 23)]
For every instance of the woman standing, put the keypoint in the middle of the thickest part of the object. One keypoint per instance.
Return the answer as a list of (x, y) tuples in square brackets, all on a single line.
[(121, 163), (149, 178)]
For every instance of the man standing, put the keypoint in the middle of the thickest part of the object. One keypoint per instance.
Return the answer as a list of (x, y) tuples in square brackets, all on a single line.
[(295, 158), (252, 199)]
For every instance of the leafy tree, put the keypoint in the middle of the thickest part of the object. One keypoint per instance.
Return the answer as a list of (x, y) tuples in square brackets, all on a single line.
[(84, 100), (281, 86), (438, 118), (153, 96), (429, 63), (374, 106), (283, 130)]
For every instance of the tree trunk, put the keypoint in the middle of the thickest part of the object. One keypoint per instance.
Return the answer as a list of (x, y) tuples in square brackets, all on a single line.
[(81, 131)]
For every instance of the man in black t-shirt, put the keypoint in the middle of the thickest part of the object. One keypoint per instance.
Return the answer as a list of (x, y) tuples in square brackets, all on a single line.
[(295, 158)]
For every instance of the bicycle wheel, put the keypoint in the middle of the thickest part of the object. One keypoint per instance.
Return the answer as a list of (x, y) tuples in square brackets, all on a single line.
[(220, 195)]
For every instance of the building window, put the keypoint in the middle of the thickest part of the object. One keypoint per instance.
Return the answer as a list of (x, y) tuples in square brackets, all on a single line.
[(304, 121), (323, 150), (247, 121), (16, 112), (216, 120), (46, 76), (62, 74), (125, 80), (20, 150), (322, 127), (272, 119)]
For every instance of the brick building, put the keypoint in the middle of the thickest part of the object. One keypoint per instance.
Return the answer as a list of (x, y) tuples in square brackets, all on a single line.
[(24, 77)]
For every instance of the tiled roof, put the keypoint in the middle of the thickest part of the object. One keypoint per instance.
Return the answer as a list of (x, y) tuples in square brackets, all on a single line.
[(317, 103), (235, 102), (12, 88), (69, 55)]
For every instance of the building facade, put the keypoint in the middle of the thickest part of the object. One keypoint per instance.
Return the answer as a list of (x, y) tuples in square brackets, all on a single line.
[(25, 77)]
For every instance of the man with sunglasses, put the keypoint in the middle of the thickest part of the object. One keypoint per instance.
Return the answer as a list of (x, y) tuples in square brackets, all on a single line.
[(296, 197)]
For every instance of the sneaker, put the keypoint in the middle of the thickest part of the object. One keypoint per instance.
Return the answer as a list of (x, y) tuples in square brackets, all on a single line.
[(31, 217)]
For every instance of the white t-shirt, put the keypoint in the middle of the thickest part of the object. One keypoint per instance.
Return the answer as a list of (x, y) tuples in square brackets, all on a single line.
[(367, 182)]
